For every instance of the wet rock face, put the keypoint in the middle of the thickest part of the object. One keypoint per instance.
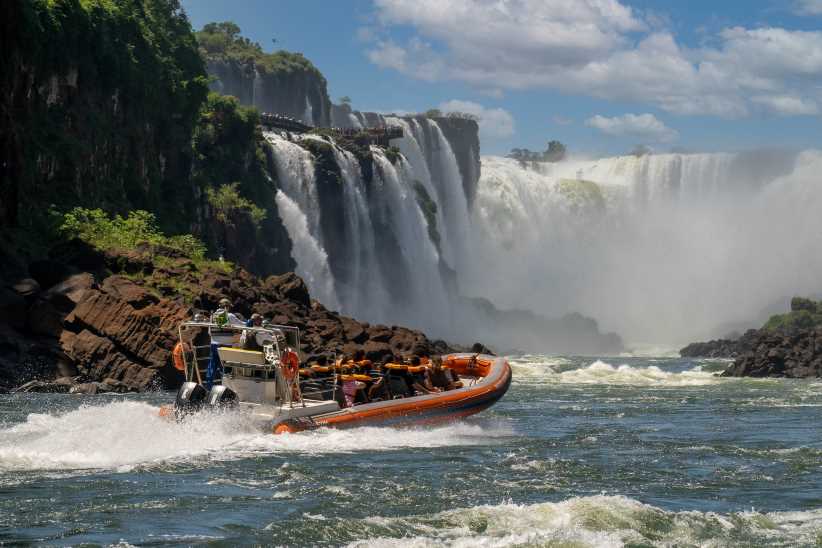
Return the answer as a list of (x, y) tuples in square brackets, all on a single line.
[(792, 354), (720, 348), (463, 136), (286, 93), (87, 336)]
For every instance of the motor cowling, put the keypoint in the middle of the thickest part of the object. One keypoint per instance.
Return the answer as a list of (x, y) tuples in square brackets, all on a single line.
[(190, 399), (222, 397)]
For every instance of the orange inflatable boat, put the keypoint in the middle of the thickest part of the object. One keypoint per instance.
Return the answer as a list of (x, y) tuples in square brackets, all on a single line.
[(483, 379), (257, 370)]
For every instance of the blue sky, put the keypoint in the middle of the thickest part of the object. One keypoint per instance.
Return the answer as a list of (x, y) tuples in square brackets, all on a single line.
[(599, 75)]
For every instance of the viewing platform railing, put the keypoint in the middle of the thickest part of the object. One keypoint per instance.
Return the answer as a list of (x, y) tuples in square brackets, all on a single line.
[(380, 136)]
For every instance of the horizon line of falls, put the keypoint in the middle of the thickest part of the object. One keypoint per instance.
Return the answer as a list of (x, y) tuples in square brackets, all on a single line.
[(659, 248)]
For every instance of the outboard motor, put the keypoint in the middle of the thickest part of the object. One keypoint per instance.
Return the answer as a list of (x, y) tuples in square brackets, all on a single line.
[(190, 399), (222, 397)]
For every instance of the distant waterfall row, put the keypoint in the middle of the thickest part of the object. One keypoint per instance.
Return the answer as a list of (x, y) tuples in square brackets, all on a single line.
[(660, 248)]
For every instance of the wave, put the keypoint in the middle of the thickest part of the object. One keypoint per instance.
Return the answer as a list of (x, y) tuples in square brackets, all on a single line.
[(557, 371), (593, 521), (121, 435)]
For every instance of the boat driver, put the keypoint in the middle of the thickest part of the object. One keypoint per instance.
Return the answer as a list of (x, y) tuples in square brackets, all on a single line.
[(224, 315)]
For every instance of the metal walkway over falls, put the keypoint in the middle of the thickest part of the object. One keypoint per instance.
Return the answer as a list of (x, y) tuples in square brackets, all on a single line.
[(380, 136)]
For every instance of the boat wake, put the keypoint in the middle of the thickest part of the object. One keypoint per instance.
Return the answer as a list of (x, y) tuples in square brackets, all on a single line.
[(122, 435), (593, 521)]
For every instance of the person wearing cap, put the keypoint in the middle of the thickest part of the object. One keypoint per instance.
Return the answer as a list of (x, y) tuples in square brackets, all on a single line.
[(224, 315), (248, 339)]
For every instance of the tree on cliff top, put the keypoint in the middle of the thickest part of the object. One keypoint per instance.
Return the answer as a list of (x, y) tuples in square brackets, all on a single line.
[(222, 41), (804, 314), (555, 152)]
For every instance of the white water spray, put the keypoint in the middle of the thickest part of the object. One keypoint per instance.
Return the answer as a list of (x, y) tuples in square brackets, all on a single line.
[(659, 248)]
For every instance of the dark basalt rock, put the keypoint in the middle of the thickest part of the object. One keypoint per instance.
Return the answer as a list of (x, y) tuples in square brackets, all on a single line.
[(772, 353), (720, 348), (83, 337)]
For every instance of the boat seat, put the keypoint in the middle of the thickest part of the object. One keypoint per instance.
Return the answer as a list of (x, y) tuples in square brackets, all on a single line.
[(398, 387)]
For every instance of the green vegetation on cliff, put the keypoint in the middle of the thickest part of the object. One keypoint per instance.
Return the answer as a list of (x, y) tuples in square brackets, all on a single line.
[(123, 234), (232, 168), (804, 314), (581, 194), (223, 42), (107, 103), (226, 203), (98, 100), (429, 210)]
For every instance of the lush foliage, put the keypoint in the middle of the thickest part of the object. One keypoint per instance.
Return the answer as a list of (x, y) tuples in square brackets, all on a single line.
[(226, 202), (229, 160), (462, 115), (581, 194), (105, 97), (222, 41), (429, 210), (97, 228), (804, 314)]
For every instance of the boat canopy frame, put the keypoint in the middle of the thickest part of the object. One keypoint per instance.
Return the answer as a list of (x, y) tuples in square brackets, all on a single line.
[(278, 334)]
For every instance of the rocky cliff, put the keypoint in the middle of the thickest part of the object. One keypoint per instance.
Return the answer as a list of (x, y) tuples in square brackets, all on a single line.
[(793, 353), (97, 105), (721, 348), (281, 82), (463, 136), (300, 93), (106, 321), (788, 345)]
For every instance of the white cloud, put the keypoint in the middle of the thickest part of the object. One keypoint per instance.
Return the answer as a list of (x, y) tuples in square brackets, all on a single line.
[(643, 126), (600, 48), (562, 120), (786, 105), (809, 7), (493, 122)]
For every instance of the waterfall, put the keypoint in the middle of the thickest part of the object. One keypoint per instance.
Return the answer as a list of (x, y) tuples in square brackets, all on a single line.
[(299, 209), (435, 167), (307, 252), (384, 266), (355, 121), (363, 291), (660, 248), (257, 90), (308, 115)]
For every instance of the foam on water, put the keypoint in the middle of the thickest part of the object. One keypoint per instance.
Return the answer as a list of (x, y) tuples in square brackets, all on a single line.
[(121, 435), (596, 521), (555, 371)]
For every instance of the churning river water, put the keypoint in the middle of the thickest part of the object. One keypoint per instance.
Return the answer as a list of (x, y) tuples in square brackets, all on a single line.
[(580, 452)]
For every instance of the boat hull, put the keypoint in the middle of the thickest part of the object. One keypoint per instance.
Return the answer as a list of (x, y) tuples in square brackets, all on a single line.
[(487, 377), (426, 409)]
